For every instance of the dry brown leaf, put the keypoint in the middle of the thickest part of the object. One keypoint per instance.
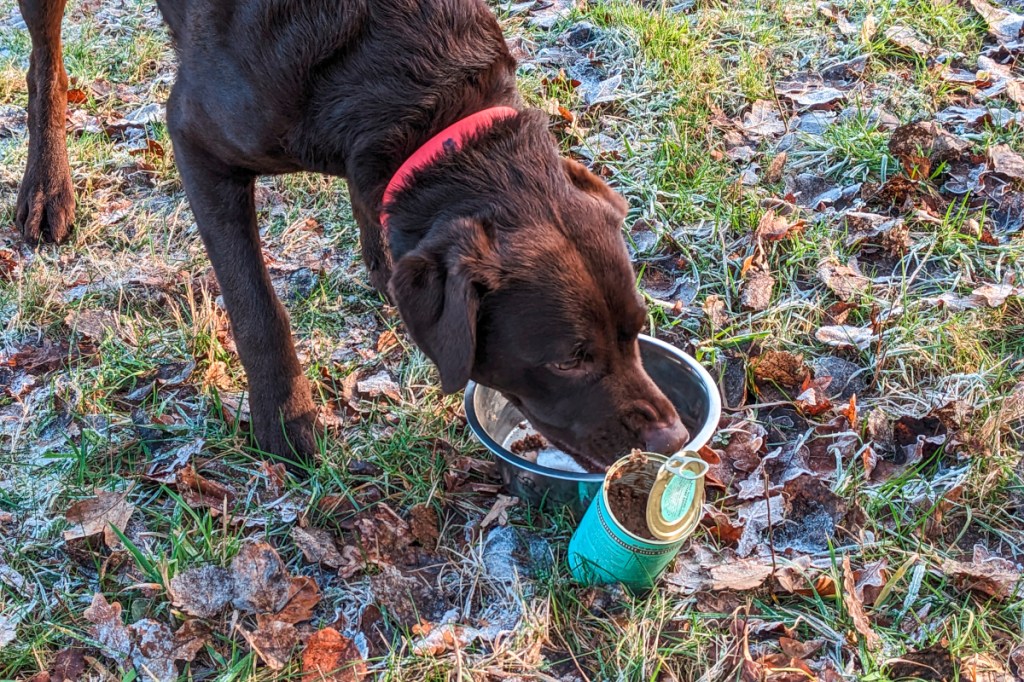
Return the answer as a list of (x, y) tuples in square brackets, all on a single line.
[(332, 657), (762, 120), (870, 581), (742, 574), (77, 96), (68, 665), (995, 295), (813, 399), (92, 324), (423, 525), (856, 609), (108, 629), (841, 336), (199, 491), (982, 667), (756, 294), (1005, 25), (846, 281), (714, 308), (986, 573), (805, 580), (775, 227), (499, 511), (303, 596), (1006, 162), (262, 583), (380, 384), (781, 368), (100, 514), (776, 167), (905, 39), (203, 591), (273, 642), (317, 546)]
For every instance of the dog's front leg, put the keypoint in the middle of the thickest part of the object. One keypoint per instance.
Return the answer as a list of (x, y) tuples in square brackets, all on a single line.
[(283, 413), (374, 247), (46, 198)]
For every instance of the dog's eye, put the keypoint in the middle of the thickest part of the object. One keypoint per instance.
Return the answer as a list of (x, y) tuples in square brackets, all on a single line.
[(568, 365)]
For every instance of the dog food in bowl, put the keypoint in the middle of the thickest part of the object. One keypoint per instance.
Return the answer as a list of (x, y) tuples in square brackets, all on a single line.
[(523, 440)]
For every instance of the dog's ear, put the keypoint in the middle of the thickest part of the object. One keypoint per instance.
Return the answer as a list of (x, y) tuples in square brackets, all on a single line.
[(437, 288), (586, 181)]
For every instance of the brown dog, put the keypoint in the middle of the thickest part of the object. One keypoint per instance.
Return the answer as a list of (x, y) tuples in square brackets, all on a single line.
[(506, 262)]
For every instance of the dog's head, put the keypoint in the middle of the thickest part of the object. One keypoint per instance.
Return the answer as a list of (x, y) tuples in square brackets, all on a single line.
[(535, 296)]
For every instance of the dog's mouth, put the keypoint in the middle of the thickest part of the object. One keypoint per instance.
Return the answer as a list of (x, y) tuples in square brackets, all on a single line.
[(590, 461)]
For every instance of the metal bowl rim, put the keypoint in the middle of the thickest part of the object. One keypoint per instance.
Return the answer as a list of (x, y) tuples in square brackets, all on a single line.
[(702, 438)]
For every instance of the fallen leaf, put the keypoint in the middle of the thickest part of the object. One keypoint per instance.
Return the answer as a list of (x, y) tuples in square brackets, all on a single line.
[(776, 168), (780, 368), (799, 577), (164, 467), (380, 384), (924, 145), (983, 667), (774, 227), (995, 295), (742, 574), (842, 335), (986, 573), (108, 629), (199, 491), (100, 514), (317, 546), (203, 591), (262, 583), (846, 281), (813, 399), (423, 525), (92, 324), (931, 663), (303, 596), (273, 642), (332, 657), (870, 581), (77, 96), (499, 511), (68, 665), (756, 294), (714, 309), (855, 607), (1005, 25), (1006, 162), (816, 98), (762, 120), (905, 39)]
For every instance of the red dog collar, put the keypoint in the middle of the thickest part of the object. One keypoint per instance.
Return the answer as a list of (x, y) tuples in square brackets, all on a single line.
[(450, 139)]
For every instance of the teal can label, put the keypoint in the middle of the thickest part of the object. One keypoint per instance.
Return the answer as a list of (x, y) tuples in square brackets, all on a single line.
[(603, 550)]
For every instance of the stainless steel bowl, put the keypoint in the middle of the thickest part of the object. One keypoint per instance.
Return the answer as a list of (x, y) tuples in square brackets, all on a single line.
[(491, 418)]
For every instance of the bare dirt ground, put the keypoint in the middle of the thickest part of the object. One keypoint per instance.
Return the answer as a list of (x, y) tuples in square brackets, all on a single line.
[(827, 210)]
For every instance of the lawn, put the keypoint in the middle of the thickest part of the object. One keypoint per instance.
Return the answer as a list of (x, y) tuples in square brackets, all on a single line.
[(826, 210)]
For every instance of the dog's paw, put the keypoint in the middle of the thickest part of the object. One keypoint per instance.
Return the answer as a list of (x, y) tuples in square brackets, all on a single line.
[(293, 441), (288, 430), (46, 201), (379, 279)]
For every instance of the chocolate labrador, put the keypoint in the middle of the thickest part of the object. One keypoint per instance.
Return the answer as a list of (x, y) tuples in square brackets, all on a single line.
[(506, 262)]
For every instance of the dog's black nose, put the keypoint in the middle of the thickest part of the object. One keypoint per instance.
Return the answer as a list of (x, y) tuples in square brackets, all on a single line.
[(666, 438)]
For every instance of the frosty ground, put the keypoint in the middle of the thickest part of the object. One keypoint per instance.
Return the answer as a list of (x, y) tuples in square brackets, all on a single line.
[(826, 210)]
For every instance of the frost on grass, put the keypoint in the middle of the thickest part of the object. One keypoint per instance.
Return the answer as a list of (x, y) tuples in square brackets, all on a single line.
[(831, 222)]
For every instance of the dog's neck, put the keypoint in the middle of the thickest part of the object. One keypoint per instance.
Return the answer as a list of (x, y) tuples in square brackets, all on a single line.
[(449, 140), (484, 180)]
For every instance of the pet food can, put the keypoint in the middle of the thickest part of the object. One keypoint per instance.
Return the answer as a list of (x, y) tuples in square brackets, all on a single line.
[(647, 507)]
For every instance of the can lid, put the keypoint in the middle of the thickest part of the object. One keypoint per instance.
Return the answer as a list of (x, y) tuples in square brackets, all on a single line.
[(676, 498)]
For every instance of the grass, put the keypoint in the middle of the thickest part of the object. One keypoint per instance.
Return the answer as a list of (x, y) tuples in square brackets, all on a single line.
[(686, 74)]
